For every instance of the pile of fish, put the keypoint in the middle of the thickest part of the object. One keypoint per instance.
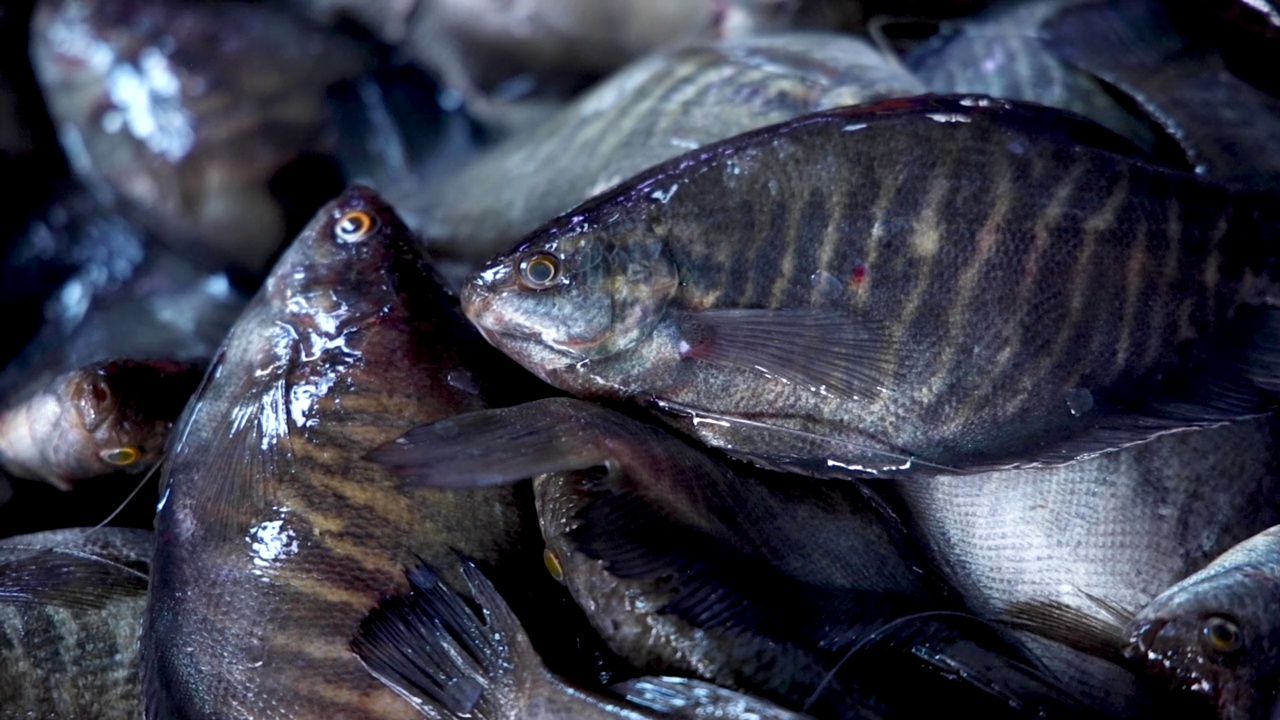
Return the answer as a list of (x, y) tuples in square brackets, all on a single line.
[(640, 359)]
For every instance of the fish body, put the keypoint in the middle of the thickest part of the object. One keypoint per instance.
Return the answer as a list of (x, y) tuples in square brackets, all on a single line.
[(96, 421), (1001, 53), (274, 536), (1228, 129), (652, 110), (71, 602), (1214, 633), (188, 111), (935, 285), (450, 662), (512, 63), (1121, 527)]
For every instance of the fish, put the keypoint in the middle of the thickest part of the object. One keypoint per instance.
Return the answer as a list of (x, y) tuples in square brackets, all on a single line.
[(1212, 634), (204, 121), (1000, 52), (938, 285), (804, 593), (446, 659), (1028, 544), (1227, 129), (685, 563), (512, 65), (273, 536), (71, 603), (101, 419), (654, 109)]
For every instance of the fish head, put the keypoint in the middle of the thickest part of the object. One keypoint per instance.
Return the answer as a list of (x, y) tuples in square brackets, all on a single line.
[(574, 291), (1218, 638), (342, 269), (121, 415)]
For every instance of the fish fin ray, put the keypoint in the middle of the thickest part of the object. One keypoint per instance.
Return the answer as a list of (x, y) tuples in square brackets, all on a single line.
[(493, 447), (432, 648), (1069, 626), (823, 350), (66, 578)]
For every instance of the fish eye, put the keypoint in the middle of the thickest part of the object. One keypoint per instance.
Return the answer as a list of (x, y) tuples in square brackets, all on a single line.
[(120, 457), (552, 561), (1221, 634), (539, 270), (355, 226)]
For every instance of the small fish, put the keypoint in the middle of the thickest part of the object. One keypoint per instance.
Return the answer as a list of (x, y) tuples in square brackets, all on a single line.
[(1214, 634), (651, 111), (435, 651), (685, 563), (914, 287), (71, 602), (192, 112), (1122, 526), (274, 537), (1228, 129), (1001, 53), (101, 419)]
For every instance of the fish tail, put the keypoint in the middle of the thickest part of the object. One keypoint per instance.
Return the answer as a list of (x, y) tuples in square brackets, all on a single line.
[(434, 650)]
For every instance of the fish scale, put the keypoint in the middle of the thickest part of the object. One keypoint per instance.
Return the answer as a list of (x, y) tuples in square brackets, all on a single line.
[(1035, 220)]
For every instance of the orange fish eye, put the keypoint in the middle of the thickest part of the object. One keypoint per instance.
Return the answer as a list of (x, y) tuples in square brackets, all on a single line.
[(120, 457), (355, 226), (539, 270)]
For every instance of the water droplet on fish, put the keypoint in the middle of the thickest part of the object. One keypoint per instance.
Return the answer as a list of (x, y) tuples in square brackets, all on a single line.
[(1079, 401), (827, 287)]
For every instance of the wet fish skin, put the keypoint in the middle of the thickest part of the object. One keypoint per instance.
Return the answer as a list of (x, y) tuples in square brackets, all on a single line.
[(273, 537), (650, 111), (433, 650), (1001, 53), (101, 419), (71, 602), (1213, 633), (906, 322), (1122, 527), (187, 111)]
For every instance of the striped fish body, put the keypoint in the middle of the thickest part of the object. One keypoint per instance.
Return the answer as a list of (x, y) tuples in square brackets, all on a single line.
[(651, 111), (932, 285), (71, 602), (274, 536)]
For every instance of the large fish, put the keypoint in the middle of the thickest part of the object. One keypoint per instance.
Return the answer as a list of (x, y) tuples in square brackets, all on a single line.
[(274, 537), (685, 563), (510, 62), (95, 421), (801, 592), (71, 602), (434, 650), (1121, 527), (1214, 634), (191, 112), (650, 111), (938, 285)]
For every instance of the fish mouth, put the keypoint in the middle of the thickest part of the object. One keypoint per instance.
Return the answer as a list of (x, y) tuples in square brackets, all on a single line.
[(1143, 639)]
